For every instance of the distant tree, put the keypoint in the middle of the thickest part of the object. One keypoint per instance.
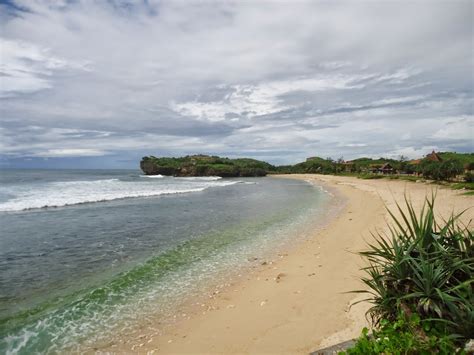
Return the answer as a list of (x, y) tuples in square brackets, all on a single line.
[(451, 168), (445, 170), (469, 177), (409, 168), (339, 165), (403, 165), (430, 169)]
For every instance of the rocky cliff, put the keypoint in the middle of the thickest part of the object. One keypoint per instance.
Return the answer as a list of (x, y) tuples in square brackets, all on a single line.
[(204, 165)]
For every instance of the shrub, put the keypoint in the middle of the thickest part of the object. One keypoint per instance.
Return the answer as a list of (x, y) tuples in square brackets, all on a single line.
[(451, 168), (469, 177), (430, 169), (423, 268), (403, 336), (445, 170)]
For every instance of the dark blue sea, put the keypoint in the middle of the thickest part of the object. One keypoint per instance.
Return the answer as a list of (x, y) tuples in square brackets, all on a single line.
[(88, 255)]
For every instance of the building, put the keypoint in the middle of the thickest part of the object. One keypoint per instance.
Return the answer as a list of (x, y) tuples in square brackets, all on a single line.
[(433, 156), (381, 169), (349, 167), (387, 169)]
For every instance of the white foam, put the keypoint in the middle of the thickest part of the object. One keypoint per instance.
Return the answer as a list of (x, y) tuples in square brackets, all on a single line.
[(19, 341), (59, 194), (200, 178), (152, 176)]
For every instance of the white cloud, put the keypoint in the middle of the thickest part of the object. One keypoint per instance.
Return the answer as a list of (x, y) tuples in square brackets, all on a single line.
[(70, 152), (337, 64), (399, 100), (264, 98), (27, 68), (355, 145), (399, 76), (311, 78), (457, 128)]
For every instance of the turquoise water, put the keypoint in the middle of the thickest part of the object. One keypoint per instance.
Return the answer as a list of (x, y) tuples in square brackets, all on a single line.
[(89, 255)]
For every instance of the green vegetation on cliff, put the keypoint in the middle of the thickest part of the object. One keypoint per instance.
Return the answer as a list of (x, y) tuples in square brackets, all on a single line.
[(205, 165), (435, 166)]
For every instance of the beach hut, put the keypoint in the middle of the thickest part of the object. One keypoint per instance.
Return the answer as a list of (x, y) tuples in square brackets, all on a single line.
[(374, 168), (381, 168), (349, 167), (387, 169)]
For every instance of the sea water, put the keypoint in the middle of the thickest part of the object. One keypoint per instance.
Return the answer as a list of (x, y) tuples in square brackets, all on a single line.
[(88, 255)]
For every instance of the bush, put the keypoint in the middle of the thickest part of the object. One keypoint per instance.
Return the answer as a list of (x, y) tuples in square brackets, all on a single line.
[(469, 177), (404, 336), (450, 169), (423, 268), (430, 170), (445, 170)]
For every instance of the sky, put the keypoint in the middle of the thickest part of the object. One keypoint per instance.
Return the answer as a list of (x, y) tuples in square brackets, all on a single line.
[(99, 84)]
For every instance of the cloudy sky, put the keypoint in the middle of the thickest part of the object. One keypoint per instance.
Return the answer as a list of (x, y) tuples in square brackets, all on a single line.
[(102, 83)]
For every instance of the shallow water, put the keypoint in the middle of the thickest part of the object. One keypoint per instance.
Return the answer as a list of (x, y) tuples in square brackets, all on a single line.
[(121, 248)]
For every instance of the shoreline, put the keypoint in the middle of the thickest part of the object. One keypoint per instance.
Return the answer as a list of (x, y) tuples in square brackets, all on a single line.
[(165, 324), (298, 303)]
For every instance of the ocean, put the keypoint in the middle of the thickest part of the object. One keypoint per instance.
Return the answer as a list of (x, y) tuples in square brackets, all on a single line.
[(88, 256)]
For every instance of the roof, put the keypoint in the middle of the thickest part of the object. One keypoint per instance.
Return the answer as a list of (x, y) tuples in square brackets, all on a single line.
[(387, 166), (433, 156)]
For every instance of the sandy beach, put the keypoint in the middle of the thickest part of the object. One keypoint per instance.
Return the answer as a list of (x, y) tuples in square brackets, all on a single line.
[(202, 177), (299, 302)]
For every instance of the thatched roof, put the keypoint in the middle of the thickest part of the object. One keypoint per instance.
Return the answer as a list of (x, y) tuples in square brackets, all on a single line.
[(433, 156), (387, 166)]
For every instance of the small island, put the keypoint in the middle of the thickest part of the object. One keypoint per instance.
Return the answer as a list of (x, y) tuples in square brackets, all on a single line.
[(204, 165)]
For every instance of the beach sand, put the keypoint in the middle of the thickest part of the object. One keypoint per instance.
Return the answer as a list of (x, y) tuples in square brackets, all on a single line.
[(299, 302)]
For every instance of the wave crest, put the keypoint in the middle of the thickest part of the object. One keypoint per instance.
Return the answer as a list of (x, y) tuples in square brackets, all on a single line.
[(159, 176), (62, 194)]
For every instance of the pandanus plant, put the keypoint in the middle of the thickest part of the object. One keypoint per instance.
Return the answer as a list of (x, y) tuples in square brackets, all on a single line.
[(423, 267)]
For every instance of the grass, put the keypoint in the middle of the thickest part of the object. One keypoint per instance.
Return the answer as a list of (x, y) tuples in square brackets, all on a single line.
[(463, 186), (421, 270), (452, 185), (369, 176)]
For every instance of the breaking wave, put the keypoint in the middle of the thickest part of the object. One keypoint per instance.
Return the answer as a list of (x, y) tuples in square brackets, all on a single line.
[(61, 194), (152, 176), (200, 178)]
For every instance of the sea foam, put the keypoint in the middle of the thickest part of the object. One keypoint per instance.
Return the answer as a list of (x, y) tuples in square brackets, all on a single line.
[(200, 178), (61, 194), (152, 176)]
